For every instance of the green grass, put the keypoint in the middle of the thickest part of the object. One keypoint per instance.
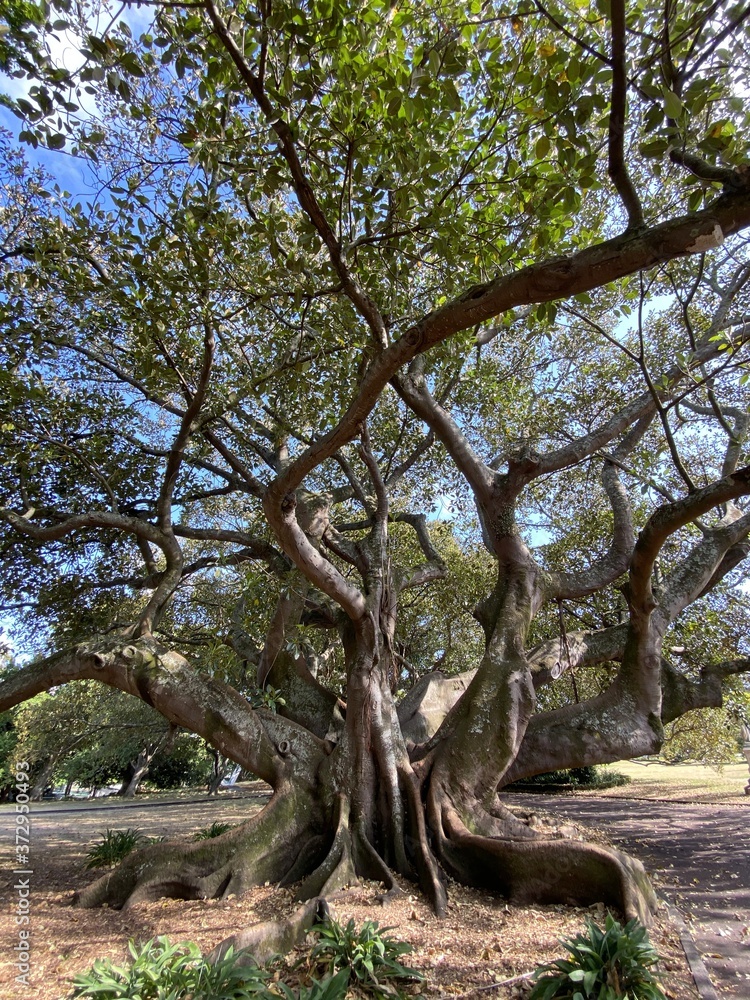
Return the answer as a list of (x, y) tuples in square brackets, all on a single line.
[(680, 782)]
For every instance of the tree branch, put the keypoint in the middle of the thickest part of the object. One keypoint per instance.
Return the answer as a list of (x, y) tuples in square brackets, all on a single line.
[(669, 518), (615, 561), (616, 167), (313, 565), (174, 461), (706, 564), (163, 679), (413, 390)]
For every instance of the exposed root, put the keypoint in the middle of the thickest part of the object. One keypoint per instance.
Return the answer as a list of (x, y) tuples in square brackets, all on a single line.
[(350, 856), (368, 863), (262, 849), (337, 869), (311, 855), (272, 937), (424, 860), (547, 871)]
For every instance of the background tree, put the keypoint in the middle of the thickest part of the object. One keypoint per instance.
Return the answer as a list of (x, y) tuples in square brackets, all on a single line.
[(341, 262), (88, 734)]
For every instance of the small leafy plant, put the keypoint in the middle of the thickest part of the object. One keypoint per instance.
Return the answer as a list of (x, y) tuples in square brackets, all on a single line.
[(215, 830), (267, 697), (163, 971), (372, 958), (113, 847), (330, 988), (610, 964)]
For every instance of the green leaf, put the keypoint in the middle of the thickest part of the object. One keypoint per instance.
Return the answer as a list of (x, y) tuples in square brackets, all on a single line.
[(673, 106)]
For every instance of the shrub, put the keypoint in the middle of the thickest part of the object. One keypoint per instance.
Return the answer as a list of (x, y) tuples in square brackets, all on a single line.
[(576, 777), (371, 957), (163, 971), (610, 964), (215, 830), (113, 847)]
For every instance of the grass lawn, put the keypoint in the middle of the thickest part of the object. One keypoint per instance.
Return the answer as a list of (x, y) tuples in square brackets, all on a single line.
[(685, 782)]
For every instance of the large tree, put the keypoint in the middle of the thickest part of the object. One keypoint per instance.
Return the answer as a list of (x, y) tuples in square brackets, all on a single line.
[(338, 265)]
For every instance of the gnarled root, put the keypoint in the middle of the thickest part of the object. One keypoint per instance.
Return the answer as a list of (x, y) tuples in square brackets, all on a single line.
[(337, 868), (350, 856), (541, 870), (272, 937), (425, 862), (265, 848)]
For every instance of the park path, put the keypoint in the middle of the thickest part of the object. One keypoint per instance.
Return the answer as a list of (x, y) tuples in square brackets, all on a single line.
[(699, 858)]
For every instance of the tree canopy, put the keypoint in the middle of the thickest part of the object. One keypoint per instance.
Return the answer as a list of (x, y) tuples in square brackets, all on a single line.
[(375, 406)]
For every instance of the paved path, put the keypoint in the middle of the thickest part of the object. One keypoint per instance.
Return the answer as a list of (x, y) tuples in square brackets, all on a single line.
[(699, 856)]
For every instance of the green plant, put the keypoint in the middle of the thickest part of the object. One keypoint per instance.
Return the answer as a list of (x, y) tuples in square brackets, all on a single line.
[(215, 830), (267, 697), (610, 964), (163, 971), (576, 777), (371, 957), (331, 988), (113, 847)]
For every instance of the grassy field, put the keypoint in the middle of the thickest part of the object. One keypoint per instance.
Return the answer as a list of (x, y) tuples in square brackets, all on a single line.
[(681, 782)]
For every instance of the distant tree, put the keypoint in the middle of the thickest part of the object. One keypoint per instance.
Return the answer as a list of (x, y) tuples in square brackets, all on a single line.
[(88, 734)]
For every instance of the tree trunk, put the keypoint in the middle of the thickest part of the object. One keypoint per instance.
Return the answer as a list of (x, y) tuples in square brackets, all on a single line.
[(42, 780), (139, 770), (219, 770)]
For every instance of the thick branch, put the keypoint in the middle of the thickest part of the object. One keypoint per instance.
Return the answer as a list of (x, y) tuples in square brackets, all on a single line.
[(166, 541), (306, 557), (615, 561), (707, 563), (434, 568), (163, 679), (549, 661), (547, 281), (255, 548), (582, 271), (348, 551), (669, 518), (413, 390), (618, 105)]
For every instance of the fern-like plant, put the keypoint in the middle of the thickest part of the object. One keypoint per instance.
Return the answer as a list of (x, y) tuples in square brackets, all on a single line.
[(215, 830), (113, 847), (372, 958), (163, 971), (611, 964)]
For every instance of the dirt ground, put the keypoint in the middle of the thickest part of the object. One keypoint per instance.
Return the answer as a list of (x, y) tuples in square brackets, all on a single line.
[(482, 940)]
